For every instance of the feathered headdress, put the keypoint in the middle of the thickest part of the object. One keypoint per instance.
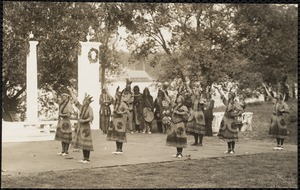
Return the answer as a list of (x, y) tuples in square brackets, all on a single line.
[(88, 98)]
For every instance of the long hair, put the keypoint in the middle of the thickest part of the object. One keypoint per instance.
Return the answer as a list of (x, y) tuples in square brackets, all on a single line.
[(136, 89), (146, 92)]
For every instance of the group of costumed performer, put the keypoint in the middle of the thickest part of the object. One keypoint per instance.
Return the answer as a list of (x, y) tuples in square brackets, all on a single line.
[(82, 134)]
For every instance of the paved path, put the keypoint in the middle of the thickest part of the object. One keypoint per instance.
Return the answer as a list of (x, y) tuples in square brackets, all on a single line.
[(32, 157)]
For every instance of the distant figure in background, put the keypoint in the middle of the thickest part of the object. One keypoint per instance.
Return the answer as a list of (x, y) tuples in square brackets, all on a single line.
[(231, 121), (278, 127), (117, 128), (127, 93), (161, 106), (148, 109), (105, 113), (83, 134), (270, 90), (166, 114), (64, 126), (138, 104), (158, 110), (283, 88), (208, 114)]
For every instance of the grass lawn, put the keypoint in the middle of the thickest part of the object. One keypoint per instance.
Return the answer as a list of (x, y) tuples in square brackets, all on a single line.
[(268, 170), (261, 121)]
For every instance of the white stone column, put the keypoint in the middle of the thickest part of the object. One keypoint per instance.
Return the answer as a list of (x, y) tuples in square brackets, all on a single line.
[(88, 79), (31, 84)]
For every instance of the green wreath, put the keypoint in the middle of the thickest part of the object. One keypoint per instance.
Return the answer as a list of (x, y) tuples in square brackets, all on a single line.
[(93, 60)]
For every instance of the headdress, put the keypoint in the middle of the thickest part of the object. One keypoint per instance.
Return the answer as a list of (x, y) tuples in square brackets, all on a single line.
[(279, 96), (128, 82), (88, 98), (65, 94)]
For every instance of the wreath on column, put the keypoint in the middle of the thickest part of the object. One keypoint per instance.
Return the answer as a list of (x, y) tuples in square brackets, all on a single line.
[(95, 58)]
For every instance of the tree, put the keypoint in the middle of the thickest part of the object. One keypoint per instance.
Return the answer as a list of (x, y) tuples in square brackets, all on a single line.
[(267, 36), (197, 43), (58, 26), (58, 33), (215, 43), (109, 17)]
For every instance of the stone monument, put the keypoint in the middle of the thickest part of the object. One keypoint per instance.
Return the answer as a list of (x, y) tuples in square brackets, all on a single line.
[(88, 76), (31, 83)]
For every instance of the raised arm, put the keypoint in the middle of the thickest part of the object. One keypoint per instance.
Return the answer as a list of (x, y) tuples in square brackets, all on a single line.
[(166, 96), (74, 98), (219, 90), (269, 94), (188, 88), (54, 95)]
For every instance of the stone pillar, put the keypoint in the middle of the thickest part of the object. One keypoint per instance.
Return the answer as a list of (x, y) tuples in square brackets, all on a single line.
[(88, 78), (31, 84)]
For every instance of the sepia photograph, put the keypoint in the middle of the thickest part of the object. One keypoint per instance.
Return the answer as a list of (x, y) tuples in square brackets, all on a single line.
[(124, 95)]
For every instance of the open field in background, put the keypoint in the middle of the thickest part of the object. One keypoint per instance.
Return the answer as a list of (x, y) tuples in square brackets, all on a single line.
[(268, 170), (261, 121)]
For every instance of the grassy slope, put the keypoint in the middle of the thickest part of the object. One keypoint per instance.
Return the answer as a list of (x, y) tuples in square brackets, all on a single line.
[(270, 170)]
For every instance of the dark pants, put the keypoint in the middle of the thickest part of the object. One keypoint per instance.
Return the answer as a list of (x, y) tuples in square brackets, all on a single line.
[(119, 146), (65, 147), (198, 136), (179, 150), (208, 127), (159, 126), (279, 141), (231, 145), (86, 155)]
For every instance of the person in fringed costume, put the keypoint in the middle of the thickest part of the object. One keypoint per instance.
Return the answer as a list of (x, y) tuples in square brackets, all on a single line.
[(162, 113), (138, 104), (128, 96), (232, 120), (117, 128), (82, 134), (177, 136), (208, 114), (158, 110), (64, 127), (166, 115), (278, 126), (149, 104), (105, 112), (196, 121)]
